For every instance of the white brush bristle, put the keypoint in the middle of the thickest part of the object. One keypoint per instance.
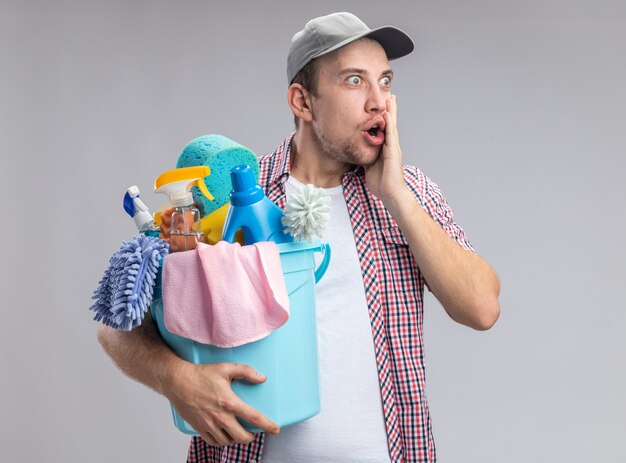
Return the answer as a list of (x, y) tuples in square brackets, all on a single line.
[(307, 213)]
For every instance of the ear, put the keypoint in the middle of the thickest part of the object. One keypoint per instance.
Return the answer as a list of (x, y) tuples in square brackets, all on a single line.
[(299, 100)]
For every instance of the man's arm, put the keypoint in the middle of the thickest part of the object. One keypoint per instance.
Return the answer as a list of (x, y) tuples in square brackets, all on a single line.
[(462, 281), (142, 355), (201, 394)]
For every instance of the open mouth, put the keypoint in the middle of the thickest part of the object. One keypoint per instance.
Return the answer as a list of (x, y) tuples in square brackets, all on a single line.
[(375, 135)]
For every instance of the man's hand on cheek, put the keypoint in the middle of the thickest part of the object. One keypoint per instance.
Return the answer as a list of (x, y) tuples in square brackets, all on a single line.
[(385, 177)]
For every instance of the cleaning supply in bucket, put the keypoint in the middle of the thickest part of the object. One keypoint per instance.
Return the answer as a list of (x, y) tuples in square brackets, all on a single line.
[(307, 213), (136, 208), (252, 211), (288, 355), (221, 154), (225, 295), (125, 292), (213, 224), (185, 228)]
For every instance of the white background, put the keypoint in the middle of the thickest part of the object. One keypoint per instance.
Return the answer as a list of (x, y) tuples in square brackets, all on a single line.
[(516, 109)]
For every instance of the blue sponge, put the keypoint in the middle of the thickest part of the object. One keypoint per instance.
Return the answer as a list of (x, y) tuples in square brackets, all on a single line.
[(221, 154)]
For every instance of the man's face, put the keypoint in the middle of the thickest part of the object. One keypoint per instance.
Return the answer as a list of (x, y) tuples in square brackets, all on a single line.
[(353, 85)]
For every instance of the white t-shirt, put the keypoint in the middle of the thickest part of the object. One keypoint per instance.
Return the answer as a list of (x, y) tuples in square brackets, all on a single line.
[(351, 426)]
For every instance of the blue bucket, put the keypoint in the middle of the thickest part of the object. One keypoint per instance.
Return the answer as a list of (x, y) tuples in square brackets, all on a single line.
[(288, 356)]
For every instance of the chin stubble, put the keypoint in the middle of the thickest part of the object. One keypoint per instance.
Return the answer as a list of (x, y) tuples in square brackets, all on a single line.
[(347, 152)]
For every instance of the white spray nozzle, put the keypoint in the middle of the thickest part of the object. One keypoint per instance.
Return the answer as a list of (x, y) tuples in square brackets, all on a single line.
[(176, 184), (142, 214)]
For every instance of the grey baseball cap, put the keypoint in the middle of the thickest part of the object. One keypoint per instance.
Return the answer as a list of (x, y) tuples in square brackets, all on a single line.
[(328, 33)]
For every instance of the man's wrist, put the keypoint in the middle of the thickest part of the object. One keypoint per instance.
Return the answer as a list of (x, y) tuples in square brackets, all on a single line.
[(172, 376), (396, 202)]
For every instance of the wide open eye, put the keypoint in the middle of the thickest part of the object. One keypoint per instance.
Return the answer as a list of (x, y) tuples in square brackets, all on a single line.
[(354, 80), (385, 81)]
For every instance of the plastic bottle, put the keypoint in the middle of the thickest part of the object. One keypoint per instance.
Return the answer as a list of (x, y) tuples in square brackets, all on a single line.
[(185, 227), (139, 212), (252, 211)]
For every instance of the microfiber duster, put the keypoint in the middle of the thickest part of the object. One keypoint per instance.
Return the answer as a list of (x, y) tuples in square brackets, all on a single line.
[(126, 289), (221, 154)]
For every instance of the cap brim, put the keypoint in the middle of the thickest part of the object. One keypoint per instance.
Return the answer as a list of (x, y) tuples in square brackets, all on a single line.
[(395, 42)]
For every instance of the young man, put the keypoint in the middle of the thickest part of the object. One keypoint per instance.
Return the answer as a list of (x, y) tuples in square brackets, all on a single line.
[(391, 232)]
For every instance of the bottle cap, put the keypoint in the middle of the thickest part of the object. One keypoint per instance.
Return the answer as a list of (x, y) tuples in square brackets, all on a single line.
[(245, 188), (182, 199)]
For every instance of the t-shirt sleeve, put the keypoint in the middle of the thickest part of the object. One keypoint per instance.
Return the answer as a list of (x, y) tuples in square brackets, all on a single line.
[(431, 199)]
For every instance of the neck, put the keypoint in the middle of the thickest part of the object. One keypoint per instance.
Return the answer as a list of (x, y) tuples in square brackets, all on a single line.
[(310, 164)]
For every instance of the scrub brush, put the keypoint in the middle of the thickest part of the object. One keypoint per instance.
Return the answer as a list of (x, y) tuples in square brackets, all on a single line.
[(125, 291), (306, 213)]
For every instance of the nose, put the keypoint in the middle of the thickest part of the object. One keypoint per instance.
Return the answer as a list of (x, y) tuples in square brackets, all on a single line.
[(376, 100)]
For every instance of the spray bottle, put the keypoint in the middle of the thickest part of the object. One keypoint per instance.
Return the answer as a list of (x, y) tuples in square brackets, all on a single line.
[(185, 227), (140, 213), (252, 211)]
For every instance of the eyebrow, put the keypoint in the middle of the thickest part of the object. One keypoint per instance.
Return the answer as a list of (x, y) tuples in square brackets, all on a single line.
[(387, 72)]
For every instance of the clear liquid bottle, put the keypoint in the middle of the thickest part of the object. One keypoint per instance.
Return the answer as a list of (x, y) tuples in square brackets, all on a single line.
[(185, 228)]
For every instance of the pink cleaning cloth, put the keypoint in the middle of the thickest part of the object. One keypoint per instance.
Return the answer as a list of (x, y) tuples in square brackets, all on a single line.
[(225, 295)]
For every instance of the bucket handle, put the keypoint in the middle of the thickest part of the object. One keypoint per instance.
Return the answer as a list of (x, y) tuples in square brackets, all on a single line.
[(321, 270)]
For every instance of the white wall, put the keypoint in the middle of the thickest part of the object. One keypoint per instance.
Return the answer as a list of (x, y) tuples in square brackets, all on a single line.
[(516, 109)]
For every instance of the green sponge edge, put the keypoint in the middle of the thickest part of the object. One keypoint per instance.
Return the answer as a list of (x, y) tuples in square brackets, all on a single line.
[(221, 154)]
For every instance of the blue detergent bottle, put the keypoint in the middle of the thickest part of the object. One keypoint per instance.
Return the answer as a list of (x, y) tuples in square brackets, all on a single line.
[(252, 211)]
